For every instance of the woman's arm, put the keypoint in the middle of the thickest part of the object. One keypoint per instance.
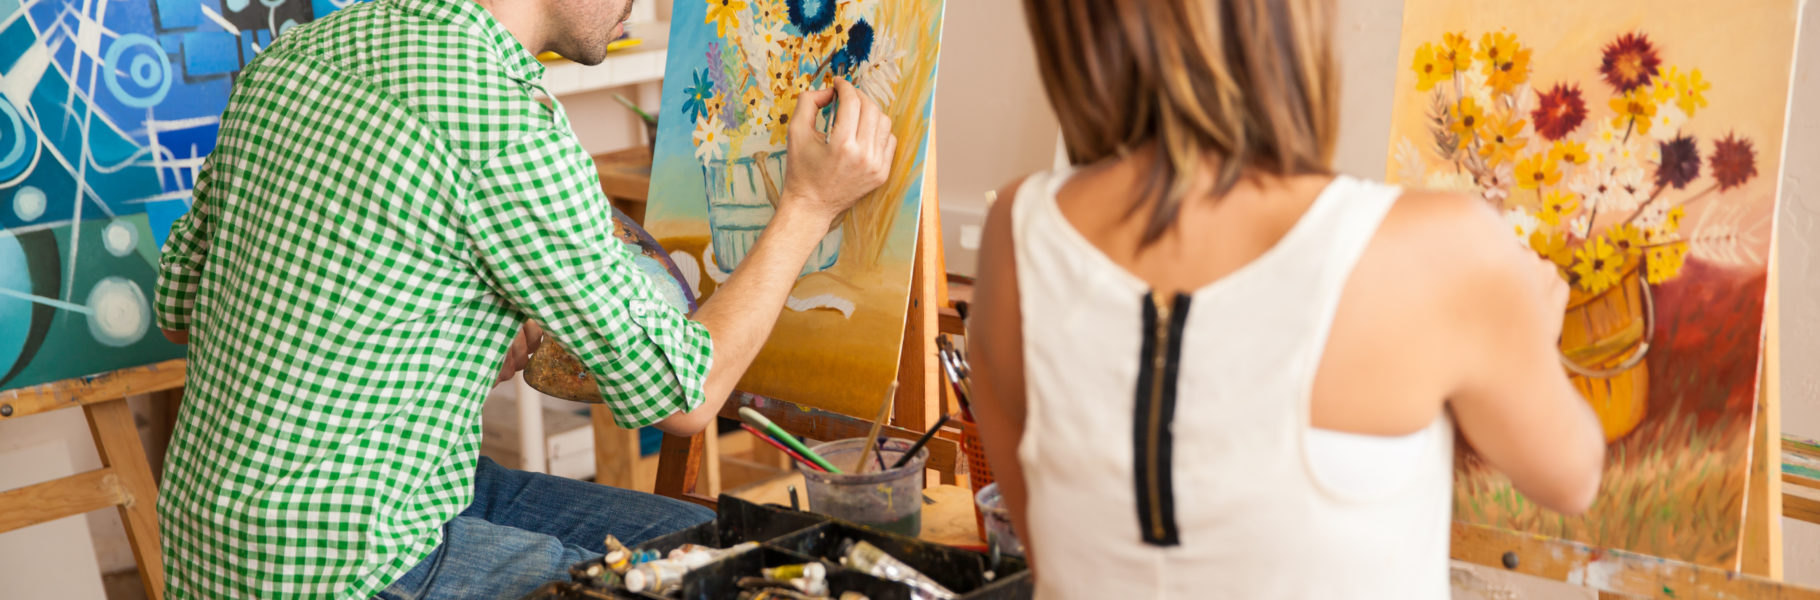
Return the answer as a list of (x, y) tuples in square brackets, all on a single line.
[(995, 343), (1513, 400)]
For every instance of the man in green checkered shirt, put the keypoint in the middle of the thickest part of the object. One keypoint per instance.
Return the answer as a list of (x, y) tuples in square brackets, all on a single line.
[(387, 203)]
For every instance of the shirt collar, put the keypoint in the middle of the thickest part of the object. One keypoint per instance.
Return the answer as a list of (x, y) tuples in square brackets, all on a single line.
[(513, 56)]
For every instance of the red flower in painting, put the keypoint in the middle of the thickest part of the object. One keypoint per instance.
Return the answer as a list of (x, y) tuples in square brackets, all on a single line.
[(1680, 163), (1630, 62), (1560, 111), (1734, 161)]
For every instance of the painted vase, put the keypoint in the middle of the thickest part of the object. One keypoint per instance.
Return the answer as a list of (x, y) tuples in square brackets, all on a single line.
[(742, 198), (1604, 339)]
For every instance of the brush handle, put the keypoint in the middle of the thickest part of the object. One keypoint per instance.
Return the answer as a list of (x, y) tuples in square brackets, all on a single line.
[(759, 420), (779, 445), (920, 442)]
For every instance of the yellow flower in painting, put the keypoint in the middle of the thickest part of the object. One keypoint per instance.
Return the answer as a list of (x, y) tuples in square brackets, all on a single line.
[(1467, 117), (1503, 138), (723, 14), (1537, 171), (1627, 239), (769, 12), (715, 106), (1667, 85), (1558, 207), (1598, 265), (753, 101), (1552, 246), (1672, 220), (1568, 153), (1457, 48), (1635, 109), (785, 106), (1664, 262), (1692, 93), (1431, 67), (1506, 62)]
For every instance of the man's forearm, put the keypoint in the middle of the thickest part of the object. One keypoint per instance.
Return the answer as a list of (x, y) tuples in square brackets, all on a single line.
[(740, 315)]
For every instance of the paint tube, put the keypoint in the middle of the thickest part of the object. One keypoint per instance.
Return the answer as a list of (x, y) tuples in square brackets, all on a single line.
[(696, 555), (618, 561), (599, 575), (789, 572), (869, 559), (640, 557), (657, 577), (810, 578)]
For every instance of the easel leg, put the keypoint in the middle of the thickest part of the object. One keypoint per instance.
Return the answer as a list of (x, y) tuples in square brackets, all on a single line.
[(615, 450), (117, 441), (678, 466)]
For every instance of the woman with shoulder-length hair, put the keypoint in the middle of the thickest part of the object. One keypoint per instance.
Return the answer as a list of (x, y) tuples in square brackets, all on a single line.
[(1208, 367)]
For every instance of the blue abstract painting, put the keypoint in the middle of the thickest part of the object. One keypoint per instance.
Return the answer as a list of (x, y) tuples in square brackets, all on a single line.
[(107, 110)]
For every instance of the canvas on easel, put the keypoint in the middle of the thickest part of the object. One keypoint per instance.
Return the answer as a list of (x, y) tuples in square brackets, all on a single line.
[(735, 70), (107, 110), (1638, 147)]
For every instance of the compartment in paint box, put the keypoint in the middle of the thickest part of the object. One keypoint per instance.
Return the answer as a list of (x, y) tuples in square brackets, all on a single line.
[(720, 579)]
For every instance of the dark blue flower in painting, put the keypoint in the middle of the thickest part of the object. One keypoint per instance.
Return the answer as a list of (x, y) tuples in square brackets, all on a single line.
[(859, 42), (697, 104), (810, 24)]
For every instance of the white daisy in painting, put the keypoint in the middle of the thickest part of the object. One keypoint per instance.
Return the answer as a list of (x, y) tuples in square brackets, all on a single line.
[(878, 76), (1522, 221), (1495, 185), (710, 139), (1410, 167), (1592, 185), (766, 39), (1628, 190), (1669, 120)]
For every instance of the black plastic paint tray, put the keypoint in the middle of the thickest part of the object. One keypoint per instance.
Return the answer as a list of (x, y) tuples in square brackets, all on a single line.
[(790, 537)]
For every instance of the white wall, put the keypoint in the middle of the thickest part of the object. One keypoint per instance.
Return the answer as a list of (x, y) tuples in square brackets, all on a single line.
[(1798, 234), (993, 121)]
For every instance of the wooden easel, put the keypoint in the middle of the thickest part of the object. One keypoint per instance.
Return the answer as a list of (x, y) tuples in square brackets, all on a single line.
[(920, 394), (1616, 574), (125, 478)]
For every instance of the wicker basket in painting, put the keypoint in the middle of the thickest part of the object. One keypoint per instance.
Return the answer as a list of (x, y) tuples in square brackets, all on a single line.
[(1603, 343)]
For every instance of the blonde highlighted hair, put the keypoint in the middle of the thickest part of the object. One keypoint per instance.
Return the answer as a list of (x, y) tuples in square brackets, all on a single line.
[(1252, 83)]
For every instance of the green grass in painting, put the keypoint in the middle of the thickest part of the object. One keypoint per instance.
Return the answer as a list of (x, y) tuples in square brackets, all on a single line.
[(1673, 488)]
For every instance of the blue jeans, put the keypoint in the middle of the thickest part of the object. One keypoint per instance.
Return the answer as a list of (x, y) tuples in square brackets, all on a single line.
[(526, 529)]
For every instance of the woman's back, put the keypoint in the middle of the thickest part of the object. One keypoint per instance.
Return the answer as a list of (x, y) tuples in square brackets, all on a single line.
[(1167, 444), (1274, 426)]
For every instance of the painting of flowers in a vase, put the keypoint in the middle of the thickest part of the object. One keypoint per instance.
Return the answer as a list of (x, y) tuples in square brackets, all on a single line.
[(734, 73), (1637, 147)]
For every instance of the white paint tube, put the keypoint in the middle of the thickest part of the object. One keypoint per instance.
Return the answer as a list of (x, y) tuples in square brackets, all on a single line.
[(872, 560), (657, 577)]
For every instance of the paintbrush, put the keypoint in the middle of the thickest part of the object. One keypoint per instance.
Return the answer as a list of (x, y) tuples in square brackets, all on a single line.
[(650, 120), (920, 442), (759, 421), (884, 411), (963, 387), (779, 445)]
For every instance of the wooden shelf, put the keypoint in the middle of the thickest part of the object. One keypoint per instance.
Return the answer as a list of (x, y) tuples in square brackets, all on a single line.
[(639, 64)]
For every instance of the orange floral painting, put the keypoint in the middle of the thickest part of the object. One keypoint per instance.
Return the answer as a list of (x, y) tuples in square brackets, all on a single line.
[(1637, 147)]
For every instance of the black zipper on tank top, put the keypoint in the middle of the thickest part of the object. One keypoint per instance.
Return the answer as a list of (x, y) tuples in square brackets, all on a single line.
[(1153, 441)]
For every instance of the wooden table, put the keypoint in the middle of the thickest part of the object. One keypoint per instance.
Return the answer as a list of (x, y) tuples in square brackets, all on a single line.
[(625, 176)]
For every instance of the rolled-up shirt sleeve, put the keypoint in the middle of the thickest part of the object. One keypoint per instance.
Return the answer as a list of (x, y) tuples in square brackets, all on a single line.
[(542, 235)]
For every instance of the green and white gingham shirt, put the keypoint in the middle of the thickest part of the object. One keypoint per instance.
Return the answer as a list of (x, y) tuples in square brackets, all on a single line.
[(386, 203)]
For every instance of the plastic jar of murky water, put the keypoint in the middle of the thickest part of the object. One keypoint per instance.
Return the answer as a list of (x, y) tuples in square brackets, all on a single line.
[(891, 499)]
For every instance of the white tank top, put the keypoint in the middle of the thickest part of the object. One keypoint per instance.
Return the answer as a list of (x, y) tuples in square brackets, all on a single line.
[(1167, 447)]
